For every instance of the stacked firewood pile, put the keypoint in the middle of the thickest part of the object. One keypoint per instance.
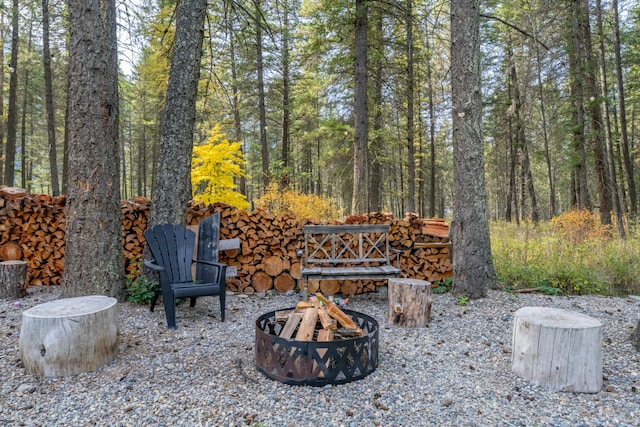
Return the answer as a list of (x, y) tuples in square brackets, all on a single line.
[(266, 260)]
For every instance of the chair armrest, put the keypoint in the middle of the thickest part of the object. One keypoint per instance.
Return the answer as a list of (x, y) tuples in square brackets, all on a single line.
[(154, 267), (398, 252), (228, 244), (213, 263), (222, 269)]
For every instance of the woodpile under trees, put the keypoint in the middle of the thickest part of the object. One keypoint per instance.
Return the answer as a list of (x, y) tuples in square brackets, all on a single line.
[(268, 257)]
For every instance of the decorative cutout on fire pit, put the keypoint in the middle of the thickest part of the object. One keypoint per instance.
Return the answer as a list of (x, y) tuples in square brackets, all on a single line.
[(316, 363)]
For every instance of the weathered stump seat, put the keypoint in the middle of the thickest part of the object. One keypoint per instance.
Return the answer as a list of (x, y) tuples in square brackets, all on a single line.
[(69, 336), (409, 302), (558, 349), (13, 279)]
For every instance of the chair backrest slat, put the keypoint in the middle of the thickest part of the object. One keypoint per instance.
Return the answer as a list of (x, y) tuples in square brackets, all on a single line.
[(172, 247)]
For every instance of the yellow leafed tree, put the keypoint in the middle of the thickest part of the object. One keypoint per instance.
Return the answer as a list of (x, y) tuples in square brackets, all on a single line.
[(215, 164)]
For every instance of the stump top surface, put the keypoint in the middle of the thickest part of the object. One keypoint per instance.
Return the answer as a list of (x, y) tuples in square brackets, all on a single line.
[(556, 318), (68, 307), (411, 282)]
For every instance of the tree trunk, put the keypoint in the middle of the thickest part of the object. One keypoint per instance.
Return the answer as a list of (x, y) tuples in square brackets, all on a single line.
[(23, 121), (359, 202), (411, 152), (545, 133), (472, 261), (12, 115), (604, 191), (626, 152), (94, 262), (286, 104), (172, 183), (264, 147), (2, 9), (377, 145), (432, 137), (576, 83), (242, 181), (608, 153), (48, 91), (527, 177)]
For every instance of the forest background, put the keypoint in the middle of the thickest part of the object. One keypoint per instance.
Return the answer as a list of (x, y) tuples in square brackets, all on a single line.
[(559, 85)]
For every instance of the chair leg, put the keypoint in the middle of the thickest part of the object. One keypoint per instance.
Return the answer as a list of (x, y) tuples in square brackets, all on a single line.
[(222, 303), (192, 303), (154, 300), (170, 311)]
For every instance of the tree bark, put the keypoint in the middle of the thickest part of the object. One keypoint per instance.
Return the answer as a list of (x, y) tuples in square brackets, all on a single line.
[(609, 156), (411, 152), (264, 147), (377, 145), (94, 262), (527, 177), (576, 83), (286, 103), (172, 183), (359, 201), (472, 261), (23, 120), (48, 85), (2, 127), (597, 132), (626, 152), (12, 114)]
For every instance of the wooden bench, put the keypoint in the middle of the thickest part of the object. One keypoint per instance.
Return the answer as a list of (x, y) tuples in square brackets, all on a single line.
[(347, 252)]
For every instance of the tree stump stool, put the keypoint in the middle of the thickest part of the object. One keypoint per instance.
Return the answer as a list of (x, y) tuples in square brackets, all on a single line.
[(13, 278), (69, 336), (558, 349), (409, 302)]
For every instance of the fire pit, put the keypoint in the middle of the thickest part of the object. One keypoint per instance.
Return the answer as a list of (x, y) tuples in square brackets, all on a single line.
[(316, 363)]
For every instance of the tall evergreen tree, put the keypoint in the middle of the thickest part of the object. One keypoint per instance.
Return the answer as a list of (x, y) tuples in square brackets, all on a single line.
[(172, 183), (472, 262), (94, 262)]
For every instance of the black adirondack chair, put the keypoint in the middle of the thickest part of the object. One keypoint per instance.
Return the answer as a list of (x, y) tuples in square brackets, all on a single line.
[(172, 249)]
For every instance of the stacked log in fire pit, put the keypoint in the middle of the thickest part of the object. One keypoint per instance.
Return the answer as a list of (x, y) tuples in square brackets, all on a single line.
[(318, 319)]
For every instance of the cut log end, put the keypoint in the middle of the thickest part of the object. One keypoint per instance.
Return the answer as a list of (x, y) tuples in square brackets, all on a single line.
[(558, 349)]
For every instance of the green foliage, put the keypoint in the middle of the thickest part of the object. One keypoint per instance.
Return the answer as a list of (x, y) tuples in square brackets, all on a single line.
[(565, 256), (215, 165), (279, 201), (463, 301), (140, 290), (443, 286)]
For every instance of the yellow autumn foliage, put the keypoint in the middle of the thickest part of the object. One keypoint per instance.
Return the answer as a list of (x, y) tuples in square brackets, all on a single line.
[(215, 165), (576, 226), (303, 206)]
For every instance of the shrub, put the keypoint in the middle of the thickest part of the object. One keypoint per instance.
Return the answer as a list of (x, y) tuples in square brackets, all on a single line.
[(280, 201), (140, 290)]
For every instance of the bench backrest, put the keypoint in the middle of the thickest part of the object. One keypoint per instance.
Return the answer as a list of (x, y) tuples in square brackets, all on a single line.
[(346, 244)]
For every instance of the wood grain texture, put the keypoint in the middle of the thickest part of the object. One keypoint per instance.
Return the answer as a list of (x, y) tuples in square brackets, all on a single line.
[(558, 349), (69, 336)]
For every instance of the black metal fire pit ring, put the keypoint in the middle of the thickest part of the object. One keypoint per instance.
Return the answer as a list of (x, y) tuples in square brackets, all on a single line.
[(316, 363)]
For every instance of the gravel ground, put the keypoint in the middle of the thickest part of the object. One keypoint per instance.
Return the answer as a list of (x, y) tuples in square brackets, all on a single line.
[(456, 372)]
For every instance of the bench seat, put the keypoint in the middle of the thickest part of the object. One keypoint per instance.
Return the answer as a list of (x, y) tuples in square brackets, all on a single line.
[(351, 273)]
